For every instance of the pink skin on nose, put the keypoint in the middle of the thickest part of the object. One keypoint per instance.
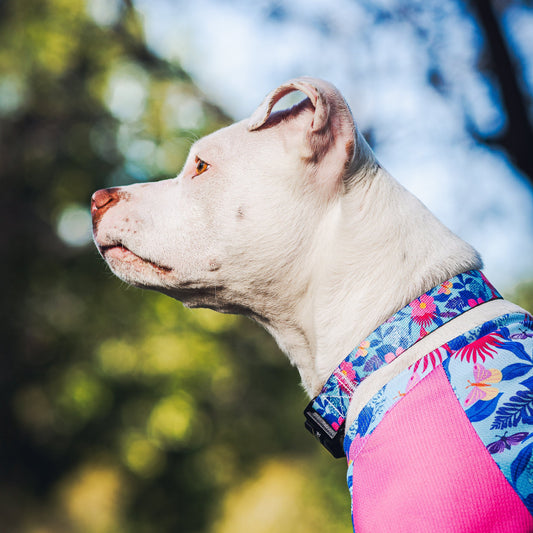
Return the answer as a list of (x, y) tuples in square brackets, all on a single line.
[(102, 200)]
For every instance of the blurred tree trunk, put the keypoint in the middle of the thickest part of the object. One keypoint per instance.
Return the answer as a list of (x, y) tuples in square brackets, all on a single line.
[(516, 136)]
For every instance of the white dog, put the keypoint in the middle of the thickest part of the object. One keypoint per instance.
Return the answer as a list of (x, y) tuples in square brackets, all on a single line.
[(288, 218)]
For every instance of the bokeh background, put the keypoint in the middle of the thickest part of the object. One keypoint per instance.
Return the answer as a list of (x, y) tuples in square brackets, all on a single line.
[(121, 411)]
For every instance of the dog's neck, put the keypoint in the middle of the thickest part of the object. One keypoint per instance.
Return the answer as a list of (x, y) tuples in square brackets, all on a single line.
[(378, 249)]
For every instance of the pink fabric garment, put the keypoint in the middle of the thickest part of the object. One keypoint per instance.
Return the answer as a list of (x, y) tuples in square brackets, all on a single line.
[(424, 469)]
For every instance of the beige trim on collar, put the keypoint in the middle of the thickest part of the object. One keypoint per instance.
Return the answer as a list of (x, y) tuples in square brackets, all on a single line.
[(461, 324)]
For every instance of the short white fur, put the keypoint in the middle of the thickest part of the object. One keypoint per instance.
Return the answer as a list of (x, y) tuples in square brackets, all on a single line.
[(294, 224)]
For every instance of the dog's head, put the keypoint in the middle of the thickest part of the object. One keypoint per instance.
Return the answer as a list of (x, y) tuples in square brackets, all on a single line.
[(244, 215)]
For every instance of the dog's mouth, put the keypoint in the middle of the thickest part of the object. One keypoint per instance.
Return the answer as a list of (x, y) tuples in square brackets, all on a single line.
[(119, 252)]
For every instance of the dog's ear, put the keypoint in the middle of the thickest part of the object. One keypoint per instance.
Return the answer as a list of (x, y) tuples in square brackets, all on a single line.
[(331, 137)]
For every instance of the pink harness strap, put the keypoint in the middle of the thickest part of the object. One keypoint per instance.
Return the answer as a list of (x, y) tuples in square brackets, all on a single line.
[(425, 469)]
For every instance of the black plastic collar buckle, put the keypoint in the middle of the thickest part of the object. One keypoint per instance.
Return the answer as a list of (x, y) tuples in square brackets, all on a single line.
[(331, 439)]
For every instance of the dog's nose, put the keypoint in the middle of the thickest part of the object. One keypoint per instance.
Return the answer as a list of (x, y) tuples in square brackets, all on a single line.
[(103, 197), (102, 200)]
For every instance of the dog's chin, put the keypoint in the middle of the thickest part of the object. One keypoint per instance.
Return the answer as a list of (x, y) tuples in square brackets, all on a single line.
[(133, 269)]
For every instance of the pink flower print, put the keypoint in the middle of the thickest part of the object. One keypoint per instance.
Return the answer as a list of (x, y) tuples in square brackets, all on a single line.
[(391, 356), (473, 303), (347, 369), (337, 425), (363, 349), (446, 288), (482, 348), (346, 377), (423, 310)]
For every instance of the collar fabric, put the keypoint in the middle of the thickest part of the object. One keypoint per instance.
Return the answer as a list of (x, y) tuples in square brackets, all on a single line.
[(412, 323)]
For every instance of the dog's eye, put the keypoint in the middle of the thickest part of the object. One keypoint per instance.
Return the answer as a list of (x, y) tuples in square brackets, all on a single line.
[(201, 166)]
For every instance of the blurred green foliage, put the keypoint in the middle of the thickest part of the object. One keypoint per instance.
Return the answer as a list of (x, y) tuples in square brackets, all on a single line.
[(120, 411)]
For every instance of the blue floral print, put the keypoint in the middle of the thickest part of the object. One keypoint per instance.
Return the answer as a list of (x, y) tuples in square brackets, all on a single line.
[(490, 369), (388, 341)]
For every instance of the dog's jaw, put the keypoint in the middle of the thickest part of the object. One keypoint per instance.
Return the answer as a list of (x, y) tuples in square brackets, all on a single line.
[(124, 263)]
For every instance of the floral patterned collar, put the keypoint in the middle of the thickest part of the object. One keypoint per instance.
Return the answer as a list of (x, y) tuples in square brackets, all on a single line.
[(326, 413)]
